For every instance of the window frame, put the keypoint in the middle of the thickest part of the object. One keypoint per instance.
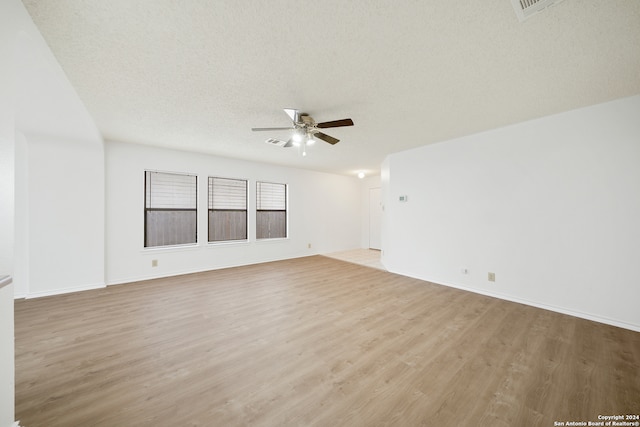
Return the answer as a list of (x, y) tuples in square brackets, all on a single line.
[(285, 210), (146, 209), (210, 209)]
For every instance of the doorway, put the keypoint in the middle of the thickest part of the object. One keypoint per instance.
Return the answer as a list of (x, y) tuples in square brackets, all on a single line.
[(375, 218)]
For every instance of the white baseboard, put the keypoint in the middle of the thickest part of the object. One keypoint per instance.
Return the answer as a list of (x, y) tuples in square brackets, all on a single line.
[(570, 312), (61, 291), (142, 278), (132, 279), (562, 310)]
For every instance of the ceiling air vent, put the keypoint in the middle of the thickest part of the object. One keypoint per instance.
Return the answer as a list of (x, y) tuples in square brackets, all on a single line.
[(527, 8), (273, 141)]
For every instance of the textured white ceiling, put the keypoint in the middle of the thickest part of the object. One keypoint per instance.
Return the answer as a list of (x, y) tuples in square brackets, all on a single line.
[(198, 74)]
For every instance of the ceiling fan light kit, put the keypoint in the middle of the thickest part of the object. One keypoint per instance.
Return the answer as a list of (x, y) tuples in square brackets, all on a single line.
[(305, 129)]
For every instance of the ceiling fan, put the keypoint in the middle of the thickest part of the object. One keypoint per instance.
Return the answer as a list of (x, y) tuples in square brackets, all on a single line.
[(305, 129)]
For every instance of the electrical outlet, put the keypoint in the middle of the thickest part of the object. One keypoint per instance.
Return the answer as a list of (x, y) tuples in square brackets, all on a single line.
[(464, 270), (154, 263), (491, 277), (309, 245)]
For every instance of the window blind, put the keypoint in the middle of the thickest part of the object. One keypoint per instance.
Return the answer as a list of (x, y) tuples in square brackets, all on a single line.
[(170, 191), (226, 193), (170, 211), (227, 209), (271, 197), (271, 210)]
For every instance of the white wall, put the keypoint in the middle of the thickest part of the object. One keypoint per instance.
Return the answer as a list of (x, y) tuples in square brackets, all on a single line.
[(8, 30), (324, 210), (7, 196), (65, 216), (7, 135), (551, 206), (7, 382), (21, 221), (6, 268)]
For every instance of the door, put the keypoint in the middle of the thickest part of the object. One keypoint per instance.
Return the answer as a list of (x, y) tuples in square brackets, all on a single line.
[(375, 218)]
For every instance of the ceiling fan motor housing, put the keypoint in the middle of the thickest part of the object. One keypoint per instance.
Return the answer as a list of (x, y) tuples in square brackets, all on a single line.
[(305, 125)]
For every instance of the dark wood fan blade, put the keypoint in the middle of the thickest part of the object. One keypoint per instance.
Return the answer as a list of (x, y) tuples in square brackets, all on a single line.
[(323, 136), (335, 124), (266, 129)]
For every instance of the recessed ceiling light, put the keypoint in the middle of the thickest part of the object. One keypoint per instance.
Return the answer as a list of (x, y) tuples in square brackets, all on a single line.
[(360, 174)]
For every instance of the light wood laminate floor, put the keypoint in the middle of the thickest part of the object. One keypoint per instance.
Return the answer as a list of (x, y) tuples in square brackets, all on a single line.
[(312, 342), (367, 257)]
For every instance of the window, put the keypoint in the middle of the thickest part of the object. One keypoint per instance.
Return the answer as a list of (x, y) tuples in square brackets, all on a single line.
[(170, 209), (271, 210), (227, 209)]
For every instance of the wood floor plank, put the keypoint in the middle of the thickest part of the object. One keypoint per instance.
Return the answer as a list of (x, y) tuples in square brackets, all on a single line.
[(312, 342)]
